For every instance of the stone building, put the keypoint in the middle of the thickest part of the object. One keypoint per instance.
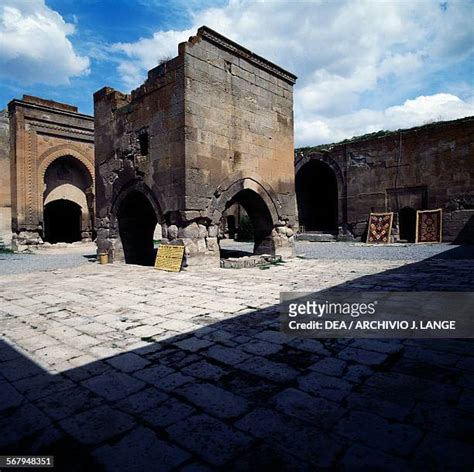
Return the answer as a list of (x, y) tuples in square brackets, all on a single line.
[(209, 128), (5, 197), (47, 177), (426, 167)]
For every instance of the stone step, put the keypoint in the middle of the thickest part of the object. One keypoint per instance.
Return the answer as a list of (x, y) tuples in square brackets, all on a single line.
[(316, 237), (264, 260)]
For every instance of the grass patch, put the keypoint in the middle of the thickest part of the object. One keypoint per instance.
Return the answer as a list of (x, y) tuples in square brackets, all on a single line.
[(148, 339), (3, 248)]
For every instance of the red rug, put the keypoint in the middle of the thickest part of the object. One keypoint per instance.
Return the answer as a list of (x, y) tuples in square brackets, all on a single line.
[(429, 225), (380, 228)]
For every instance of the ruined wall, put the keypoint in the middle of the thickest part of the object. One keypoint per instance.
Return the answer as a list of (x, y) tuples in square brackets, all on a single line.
[(5, 190), (239, 123), (427, 167), (154, 166), (219, 120), (41, 132)]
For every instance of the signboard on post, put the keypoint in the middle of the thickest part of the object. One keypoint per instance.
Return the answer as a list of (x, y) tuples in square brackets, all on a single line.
[(169, 257)]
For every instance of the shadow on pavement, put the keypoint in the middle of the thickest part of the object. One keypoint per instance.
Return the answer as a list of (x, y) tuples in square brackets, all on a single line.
[(239, 395)]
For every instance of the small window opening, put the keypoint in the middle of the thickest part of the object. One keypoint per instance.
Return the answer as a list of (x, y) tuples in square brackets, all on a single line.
[(143, 141)]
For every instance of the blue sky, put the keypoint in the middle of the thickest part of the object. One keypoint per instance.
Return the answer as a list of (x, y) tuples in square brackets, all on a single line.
[(361, 65)]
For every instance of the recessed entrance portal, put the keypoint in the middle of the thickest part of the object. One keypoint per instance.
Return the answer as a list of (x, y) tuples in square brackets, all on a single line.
[(62, 222), (259, 224), (316, 194), (137, 221), (67, 193), (407, 224)]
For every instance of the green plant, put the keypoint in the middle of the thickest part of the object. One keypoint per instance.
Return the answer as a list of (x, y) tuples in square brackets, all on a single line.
[(3, 248), (245, 231)]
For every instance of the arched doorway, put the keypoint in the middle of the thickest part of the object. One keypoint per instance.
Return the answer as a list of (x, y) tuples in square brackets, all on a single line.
[(407, 224), (67, 192), (62, 220), (260, 220), (317, 197), (137, 222)]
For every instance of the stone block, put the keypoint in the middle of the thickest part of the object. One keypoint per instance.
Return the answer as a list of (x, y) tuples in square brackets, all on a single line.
[(209, 438), (137, 450)]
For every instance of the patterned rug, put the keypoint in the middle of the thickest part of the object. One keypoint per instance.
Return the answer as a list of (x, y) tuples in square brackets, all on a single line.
[(380, 228), (429, 226)]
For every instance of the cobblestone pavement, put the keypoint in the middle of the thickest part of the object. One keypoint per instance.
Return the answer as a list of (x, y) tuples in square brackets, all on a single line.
[(50, 258), (125, 368), (361, 251), (54, 257)]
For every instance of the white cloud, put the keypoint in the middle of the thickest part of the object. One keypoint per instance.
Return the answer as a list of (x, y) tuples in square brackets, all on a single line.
[(342, 52), (416, 112), (34, 44), (146, 53)]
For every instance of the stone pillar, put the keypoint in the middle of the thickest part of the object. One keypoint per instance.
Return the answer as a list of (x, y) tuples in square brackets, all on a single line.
[(200, 242), (284, 240)]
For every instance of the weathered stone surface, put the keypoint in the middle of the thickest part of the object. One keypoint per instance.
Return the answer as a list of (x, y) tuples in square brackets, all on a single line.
[(307, 443), (172, 232), (361, 457), (96, 425), (420, 162), (375, 432), (129, 362), (209, 438), (138, 450), (9, 396), (57, 166), (79, 399), (21, 422), (113, 386), (190, 231), (269, 370), (5, 181), (317, 411), (213, 231), (332, 388), (212, 127), (167, 413), (214, 400), (223, 385)]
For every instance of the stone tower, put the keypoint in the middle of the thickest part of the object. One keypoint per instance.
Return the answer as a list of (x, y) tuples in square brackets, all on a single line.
[(209, 128)]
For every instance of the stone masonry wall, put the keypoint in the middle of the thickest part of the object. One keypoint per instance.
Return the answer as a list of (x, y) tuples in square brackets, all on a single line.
[(5, 190), (219, 120), (156, 110), (427, 167), (42, 131)]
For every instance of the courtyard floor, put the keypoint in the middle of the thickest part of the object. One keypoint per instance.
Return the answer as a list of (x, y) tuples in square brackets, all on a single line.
[(123, 367)]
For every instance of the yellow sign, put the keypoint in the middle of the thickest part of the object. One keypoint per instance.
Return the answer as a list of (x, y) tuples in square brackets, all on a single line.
[(169, 257)]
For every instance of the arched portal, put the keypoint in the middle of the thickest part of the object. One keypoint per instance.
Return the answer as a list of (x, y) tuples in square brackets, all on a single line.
[(260, 219), (407, 224), (62, 220), (67, 193), (137, 222), (317, 197)]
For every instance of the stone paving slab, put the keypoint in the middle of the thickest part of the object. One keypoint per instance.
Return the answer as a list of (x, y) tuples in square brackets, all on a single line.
[(119, 367)]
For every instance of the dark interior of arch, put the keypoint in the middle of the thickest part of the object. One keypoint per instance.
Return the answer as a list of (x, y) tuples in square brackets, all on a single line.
[(316, 195), (260, 218), (407, 224), (137, 221), (62, 222)]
